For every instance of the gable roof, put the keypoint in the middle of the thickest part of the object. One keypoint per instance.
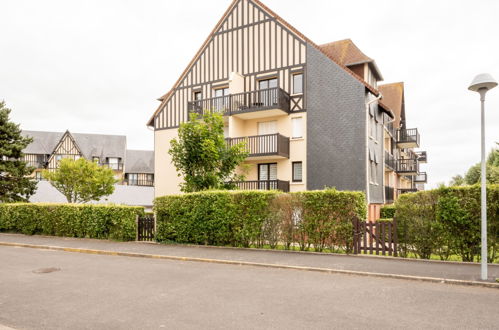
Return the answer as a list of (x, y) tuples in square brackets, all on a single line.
[(89, 144), (139, 161), (43, 142), (347, 53), (279, 19), (393, 98)]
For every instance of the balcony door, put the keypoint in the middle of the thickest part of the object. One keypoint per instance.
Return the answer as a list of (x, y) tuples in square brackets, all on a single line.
[(267, 175), (267, 96), (221, 98), (268, 143)]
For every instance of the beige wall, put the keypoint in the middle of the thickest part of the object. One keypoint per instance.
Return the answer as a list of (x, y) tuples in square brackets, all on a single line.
[(166, 180)]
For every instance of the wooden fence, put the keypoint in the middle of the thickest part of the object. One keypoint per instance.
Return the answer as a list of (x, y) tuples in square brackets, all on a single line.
[(375, 237)]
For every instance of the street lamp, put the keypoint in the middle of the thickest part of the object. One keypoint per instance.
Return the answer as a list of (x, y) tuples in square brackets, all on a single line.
[(481, 84)]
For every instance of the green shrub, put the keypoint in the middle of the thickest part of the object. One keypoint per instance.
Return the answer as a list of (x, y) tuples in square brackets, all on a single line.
[(446, 221), (255, 218), (387, 212), (71, 220)]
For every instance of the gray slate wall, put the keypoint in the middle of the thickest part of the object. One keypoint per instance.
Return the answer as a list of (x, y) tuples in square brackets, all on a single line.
[(376, 191), (336, 126)]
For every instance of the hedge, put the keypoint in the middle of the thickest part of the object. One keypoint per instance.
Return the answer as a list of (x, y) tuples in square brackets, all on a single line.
[(71, 220), (447, 221), (322, 219), (387, 212)]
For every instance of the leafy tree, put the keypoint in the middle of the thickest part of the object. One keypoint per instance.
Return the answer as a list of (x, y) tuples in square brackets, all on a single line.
[(203, 157), (457, 180), (15, 183), (81, 180)]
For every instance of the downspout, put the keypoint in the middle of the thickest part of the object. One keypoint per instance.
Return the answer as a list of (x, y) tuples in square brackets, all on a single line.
[(367, 145)]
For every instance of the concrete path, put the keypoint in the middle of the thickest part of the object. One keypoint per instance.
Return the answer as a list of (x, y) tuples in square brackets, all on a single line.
[(47, 289), (371, 264)]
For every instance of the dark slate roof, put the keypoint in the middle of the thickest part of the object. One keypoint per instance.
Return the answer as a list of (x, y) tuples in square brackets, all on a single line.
[(99, 145), (43, 142), (139, 161)]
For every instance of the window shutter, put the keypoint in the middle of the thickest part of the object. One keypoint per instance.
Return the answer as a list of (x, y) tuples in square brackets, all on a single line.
[(297, 127)]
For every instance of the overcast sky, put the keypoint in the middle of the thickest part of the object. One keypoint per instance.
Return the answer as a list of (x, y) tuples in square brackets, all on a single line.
[(99, 66)]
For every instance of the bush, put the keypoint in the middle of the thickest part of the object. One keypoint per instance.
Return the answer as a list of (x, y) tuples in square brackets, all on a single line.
[(446, 221), (387, 212), (244, 218), (71, 220)]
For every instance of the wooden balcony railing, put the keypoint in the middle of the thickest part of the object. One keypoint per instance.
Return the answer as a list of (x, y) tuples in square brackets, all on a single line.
[(263, 185), (407, 166), (389, 194), (264, 145), (390, 161), (408, 138), (421, 178), (138, 182), (265, 99)]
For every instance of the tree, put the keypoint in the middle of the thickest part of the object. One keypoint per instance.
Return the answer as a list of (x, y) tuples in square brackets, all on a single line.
[(81, 180), (202, 156), (457, 180), (15, 183)]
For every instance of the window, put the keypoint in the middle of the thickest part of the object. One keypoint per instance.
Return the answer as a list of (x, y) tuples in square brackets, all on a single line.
[(267, 176), (267, 83), (221, 100), (58, 157), (297, 172), (198, 96), (298, 83), (96, 160), (133, 179), (113, 163), (38, 176), (374, 178), (297, 124)]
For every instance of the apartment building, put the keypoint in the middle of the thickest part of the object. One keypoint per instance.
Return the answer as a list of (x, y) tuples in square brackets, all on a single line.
[(313, 116), (131, 167)]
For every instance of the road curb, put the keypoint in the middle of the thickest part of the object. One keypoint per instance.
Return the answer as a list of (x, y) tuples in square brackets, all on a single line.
[(256, 264)]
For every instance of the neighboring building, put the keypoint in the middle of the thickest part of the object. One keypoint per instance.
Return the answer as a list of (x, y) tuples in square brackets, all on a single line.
[(131, 167), (313, 116)]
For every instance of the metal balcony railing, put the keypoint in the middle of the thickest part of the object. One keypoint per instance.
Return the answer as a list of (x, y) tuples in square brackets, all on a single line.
[(263, 185), (407, 138), (406, 190), (422, 158), (407, 166), (389, 194), (265, 99), (390, 161), (264, 145), (421, 178)]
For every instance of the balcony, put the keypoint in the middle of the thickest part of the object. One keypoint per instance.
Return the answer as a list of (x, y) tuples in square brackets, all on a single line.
[(138, 182), (407, 166), (421, 178), (407, 190), (113, 166), (422, 157), (256, 104), (390, 161), (389, 194), (264, 146), (263, 185), (407, 138)]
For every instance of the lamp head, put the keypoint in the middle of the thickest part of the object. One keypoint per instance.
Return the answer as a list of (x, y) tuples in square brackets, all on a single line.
[(483, 81)]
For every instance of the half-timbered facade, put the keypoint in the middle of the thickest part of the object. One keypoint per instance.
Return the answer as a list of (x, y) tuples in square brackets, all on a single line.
[(310, 116), (131, 167)]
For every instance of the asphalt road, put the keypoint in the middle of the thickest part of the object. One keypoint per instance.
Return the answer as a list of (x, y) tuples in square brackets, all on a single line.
[(43, 289)]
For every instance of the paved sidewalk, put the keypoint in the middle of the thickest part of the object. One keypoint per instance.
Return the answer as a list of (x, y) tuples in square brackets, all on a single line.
[(383, 265)]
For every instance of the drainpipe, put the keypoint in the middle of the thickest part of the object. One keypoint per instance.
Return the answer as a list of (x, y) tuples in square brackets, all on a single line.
[(367, 146)]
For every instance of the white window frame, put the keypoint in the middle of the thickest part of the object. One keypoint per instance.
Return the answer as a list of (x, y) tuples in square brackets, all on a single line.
[(299, 123)]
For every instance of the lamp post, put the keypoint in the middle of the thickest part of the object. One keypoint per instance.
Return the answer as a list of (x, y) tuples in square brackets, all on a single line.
[(482, 84)]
